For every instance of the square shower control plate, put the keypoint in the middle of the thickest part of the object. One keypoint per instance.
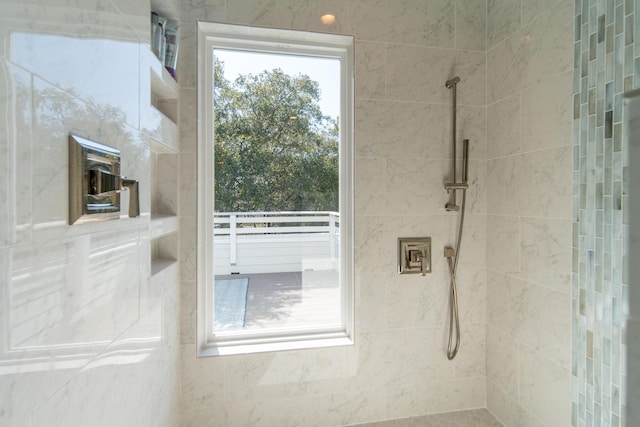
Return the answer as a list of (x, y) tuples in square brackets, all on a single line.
[(414, 255)]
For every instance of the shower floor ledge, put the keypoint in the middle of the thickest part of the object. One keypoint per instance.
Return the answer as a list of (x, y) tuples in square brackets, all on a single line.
[(470, 418)]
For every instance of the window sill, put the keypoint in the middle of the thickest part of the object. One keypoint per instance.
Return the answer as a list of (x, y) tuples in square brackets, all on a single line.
[(248, 347)]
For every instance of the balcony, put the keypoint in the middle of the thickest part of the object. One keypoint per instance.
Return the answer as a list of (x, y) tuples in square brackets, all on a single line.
[(291, 261)]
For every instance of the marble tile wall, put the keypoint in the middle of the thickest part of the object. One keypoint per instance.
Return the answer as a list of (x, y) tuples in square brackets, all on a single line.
[(529, 158), (606, 58), (87, 338), (405, 51)]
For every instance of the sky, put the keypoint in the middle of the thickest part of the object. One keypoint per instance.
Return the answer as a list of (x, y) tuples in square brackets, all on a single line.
[(326, 71)]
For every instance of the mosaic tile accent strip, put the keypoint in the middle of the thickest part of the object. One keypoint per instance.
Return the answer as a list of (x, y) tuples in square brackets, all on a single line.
[(475, 418), (607, 63)]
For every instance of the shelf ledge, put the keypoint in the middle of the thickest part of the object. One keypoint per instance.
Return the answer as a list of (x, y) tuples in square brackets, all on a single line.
[(161, 225)]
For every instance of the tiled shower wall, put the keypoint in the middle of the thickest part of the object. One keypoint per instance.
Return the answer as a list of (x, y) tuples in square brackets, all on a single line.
[(529, 82), (405, 51), (85, 338), (607, 55)]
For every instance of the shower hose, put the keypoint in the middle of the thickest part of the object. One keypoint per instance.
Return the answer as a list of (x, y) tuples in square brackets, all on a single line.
[(452, 259)]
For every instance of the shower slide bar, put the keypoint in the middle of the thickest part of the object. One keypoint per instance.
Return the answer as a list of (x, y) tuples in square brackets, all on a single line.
[(452, 254)]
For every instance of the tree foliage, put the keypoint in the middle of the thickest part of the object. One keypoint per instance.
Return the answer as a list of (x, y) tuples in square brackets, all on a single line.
[(274, 149)]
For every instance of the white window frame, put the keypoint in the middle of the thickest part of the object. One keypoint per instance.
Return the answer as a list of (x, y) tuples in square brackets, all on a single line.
[(227, 36)]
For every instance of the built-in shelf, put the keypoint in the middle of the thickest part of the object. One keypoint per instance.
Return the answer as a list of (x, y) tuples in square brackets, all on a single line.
[(163, 85), (164, 143), (165, 138), (164, 251), (161, 225), (164, 91), (160, 265)]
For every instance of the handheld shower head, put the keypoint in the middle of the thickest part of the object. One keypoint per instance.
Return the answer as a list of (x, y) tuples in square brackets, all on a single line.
[(452, 82)]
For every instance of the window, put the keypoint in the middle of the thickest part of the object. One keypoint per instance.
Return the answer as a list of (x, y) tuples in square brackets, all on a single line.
[(275, 189)]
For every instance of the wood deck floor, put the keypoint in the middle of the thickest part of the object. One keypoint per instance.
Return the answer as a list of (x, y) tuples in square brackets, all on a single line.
[(277, 300)]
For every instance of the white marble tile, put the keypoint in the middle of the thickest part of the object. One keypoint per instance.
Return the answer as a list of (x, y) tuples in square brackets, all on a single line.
[(30, 378), (334, 409), (532, 54), (86, 333), (502, 187), (477, 192), (50, 160), (370, 62), (166, 193), (503, 301), (418, 74), (102, 270), (547, 111), (471, 24), (171, 318), (545, 248), (407, 70), (152, 288), (187, 65), (472, 125), (84, 64), (290, 374), (503, 127), (136, 15), (397, 130), (6, 110), (404, 21), (370, 186), (471, 358), (191, 10), (15, 152), (472, 254), (461, 393), (400, 186), (545, 389), (546, 175), (187, 193), (399, 356), (97, 18), (290, 14), (535, 315), (503, 248), (545, 324), (471, 68), (370, 300), (202, 379), (213, 414), (188, 312), (472, 295), (376, 239), (502, 361), (414, 186), (503, 19), (188, 254), (531, 9), (140, 373), (188, 120), (507, 410), (373, 244), (133, 366), (415, 301), (409, 400)]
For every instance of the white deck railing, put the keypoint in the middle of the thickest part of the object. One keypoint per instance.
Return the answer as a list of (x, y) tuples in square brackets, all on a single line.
[(270, 242)]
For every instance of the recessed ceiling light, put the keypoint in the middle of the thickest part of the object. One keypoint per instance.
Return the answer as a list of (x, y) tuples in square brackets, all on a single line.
[(328, 19)]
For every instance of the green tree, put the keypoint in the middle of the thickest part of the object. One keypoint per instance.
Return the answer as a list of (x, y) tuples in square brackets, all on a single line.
[(274, 149)]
